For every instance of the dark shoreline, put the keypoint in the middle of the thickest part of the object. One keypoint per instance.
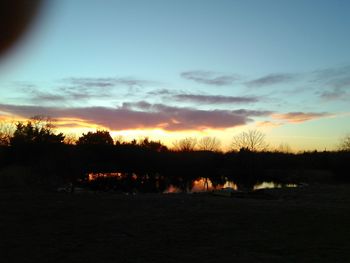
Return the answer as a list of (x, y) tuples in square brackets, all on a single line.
[(309, 224)]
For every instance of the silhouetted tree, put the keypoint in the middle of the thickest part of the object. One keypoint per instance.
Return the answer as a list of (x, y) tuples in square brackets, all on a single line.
[(118, 140), (70, 139), (95, 138), (153, 145), (252, 140), (209, 144), (284, 148), (37, 130), (185, 145), (6, 132), (345, 144)]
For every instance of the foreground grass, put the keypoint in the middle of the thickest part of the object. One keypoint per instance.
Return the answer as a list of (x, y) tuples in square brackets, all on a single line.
[(310, 224)]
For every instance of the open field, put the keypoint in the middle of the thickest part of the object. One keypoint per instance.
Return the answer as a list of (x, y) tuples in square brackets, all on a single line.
[(310, 224)]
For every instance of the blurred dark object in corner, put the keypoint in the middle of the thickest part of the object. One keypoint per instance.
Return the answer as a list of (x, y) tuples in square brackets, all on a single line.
[(15, 18)]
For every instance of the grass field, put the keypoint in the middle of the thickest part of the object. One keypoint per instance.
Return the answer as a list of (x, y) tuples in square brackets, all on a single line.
[(310, 224)]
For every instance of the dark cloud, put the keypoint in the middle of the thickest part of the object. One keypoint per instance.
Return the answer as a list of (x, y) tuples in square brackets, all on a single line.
[(209, 77), (214, 99), (271, 79), (298, 117), (142, 115)]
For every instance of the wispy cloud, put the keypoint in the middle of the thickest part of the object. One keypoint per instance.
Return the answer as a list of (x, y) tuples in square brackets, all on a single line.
[(331, 73), (107, 82), (334, 94), (38, 96), (182, 96), (161, 92), (298, 117), (268, 124), (142, 115), (209, 77), (271, 79), (77, 90), (214, 99), (64, 95), (333, 83)]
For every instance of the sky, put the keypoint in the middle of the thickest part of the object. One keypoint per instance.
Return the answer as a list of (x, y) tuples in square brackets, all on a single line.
[(187, 68)]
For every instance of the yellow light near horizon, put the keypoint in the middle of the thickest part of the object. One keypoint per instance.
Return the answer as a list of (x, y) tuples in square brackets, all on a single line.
[(299, 137), (156, 134)]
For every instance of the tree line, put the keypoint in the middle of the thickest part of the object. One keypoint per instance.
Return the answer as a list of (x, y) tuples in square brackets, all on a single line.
[(34, 155)]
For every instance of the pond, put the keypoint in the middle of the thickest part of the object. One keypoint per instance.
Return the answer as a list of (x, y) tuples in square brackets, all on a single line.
[(131, 182), (205, 185)]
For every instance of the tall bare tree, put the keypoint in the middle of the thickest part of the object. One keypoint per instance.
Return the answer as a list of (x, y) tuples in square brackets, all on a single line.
[(252, 140), (185, 145), (345, 143), (284, 148), (209, 144)]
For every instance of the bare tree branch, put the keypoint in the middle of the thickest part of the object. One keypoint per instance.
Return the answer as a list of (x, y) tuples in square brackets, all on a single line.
[(185, 145), (252, 140), (209, 144), (345, 143)]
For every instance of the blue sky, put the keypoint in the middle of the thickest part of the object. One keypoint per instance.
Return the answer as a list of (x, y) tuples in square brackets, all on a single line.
[(188, 67)]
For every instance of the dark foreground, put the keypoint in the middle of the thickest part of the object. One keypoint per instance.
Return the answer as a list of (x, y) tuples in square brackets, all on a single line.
[(310, 224)]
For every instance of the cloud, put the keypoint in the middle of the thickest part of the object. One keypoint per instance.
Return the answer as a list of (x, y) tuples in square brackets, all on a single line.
[(271, 79), (80, 89), (202, 99), (140, 105), (209, 77), (268, 124), (334, 94), (161, 92), (40, 97), (141, 115), (333, 83), (107, 82), (64, 95), (255, 113), (214, 99), (298, 117), (332, 73)]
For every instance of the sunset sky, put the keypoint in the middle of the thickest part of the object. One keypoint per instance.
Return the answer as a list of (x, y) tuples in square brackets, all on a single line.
[(172, 69)]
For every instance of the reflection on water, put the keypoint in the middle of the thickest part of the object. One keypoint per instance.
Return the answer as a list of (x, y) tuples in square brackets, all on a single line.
[(94, 176), (131, 182), (204, 185), (267, 185), (172, 190), (271, 185)]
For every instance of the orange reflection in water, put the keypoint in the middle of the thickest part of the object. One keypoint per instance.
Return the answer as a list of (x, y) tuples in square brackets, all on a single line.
[(172, 190), (201, 185), (94, 176)]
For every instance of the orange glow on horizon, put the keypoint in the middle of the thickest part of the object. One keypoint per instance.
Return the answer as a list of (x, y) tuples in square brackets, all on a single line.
[(275, 134)]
